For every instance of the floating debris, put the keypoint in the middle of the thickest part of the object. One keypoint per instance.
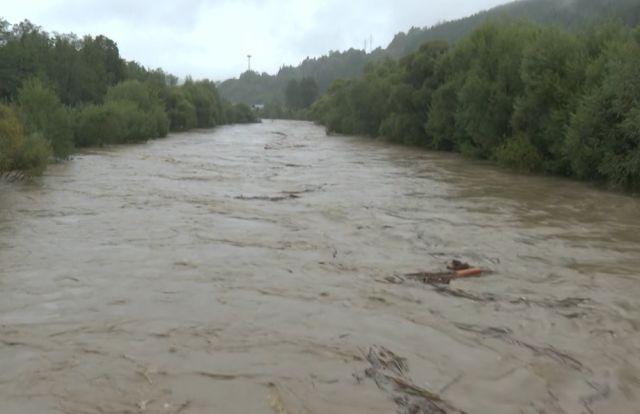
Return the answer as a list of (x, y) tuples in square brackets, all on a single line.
[(456, 265), (553, 303), (286, 196), (390, 373), (432, 278), (456, 270)]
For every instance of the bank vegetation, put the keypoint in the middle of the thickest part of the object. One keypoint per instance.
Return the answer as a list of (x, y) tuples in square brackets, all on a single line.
[(537, 98), (59, 92)]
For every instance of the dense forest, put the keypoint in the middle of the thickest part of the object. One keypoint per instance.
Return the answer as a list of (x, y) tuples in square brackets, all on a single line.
[(59, 92), (538, 98), (251, 88)]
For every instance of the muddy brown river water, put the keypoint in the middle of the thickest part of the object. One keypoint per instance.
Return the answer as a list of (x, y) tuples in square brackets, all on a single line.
[(249, 269)]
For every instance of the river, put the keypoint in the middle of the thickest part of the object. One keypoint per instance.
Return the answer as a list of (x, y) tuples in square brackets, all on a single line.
[(250, 269)]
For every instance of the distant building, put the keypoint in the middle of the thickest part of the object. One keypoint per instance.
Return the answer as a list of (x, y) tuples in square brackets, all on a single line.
[(257, 106)]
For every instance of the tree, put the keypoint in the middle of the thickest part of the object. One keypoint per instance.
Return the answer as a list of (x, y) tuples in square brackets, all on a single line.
[(102, 67), (182, 113), (308, 92), (203, 95), (603, 139), (486, 75), (292, 94), (414, 83), (24, 54), (553, 73)]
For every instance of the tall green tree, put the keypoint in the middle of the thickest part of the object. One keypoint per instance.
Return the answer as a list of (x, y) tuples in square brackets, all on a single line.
[(603, 139), (553, 73), (308, 91)]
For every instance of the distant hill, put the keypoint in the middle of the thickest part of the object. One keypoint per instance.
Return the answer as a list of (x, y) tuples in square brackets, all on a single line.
[(565, 13), (253, 88)]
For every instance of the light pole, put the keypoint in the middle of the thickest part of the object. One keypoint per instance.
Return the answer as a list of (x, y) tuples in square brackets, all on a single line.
[(249, 58)]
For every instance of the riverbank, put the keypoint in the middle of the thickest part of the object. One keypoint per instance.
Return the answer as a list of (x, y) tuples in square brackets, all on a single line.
[(95, 98), (531, 97)]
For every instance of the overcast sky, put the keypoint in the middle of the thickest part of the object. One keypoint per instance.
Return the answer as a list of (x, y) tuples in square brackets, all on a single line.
[(211, 38)]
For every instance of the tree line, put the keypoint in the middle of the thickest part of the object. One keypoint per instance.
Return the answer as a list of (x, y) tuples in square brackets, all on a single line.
[(299, 95), (262, 88), (533, 97), (275, 91), (59, 92)]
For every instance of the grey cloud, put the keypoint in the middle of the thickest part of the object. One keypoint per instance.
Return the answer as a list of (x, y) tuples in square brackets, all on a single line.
[(173, 14)]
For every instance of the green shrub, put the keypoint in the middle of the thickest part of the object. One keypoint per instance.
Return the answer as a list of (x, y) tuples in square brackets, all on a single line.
[(98, 125), (34, 155), (403, 128), (131, 113), (43, 113), (11, 137), (17, 152), (519, 153), (149, 120)]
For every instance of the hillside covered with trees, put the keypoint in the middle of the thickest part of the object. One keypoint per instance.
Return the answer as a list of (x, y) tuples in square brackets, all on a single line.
[(251, 88), (538, 98), (59, 92), (563, 13)]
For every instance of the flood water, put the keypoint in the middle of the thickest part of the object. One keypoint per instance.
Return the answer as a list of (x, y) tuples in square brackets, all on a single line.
[(247, 270)]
